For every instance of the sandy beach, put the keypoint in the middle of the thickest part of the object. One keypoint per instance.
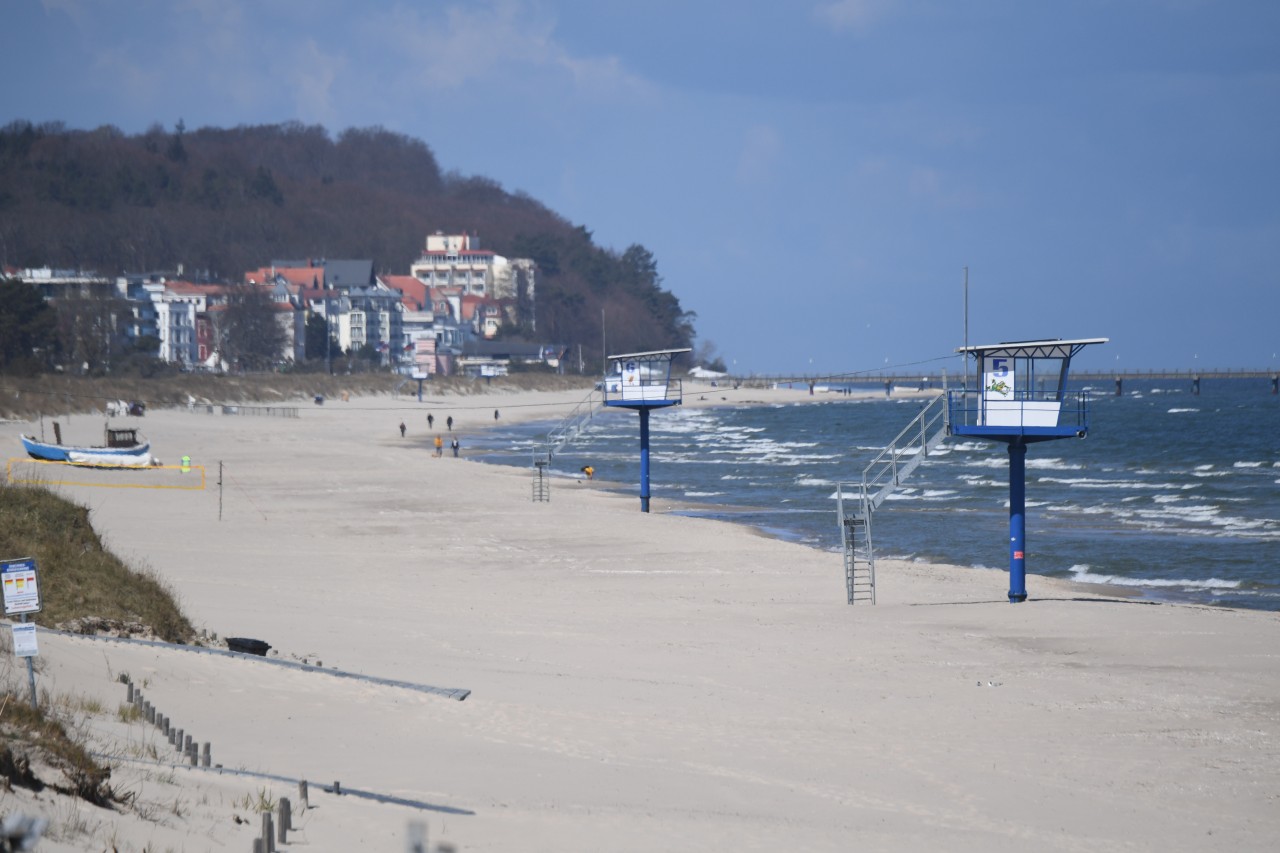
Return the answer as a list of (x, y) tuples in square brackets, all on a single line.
[(636, 682)]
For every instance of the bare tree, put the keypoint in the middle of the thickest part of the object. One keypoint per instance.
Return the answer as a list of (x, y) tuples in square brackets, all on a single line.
[(92, 327), (249, 333)]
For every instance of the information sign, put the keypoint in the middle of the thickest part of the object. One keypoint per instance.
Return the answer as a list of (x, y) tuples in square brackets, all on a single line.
[(24, 640), (21, 586)]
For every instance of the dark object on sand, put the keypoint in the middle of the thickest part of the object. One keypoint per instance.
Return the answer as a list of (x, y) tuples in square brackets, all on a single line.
[(247, 646)]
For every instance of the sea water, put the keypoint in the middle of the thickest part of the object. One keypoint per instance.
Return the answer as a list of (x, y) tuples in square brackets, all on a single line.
[(1171, 496)]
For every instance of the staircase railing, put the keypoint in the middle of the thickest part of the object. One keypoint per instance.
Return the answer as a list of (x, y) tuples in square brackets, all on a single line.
[(568, 429), (857, 502)]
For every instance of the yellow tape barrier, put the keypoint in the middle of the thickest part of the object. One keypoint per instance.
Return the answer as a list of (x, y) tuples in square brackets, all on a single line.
[(106, 477)]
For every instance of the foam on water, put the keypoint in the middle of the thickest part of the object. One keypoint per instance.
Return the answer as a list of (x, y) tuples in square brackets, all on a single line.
[(1083, 574)]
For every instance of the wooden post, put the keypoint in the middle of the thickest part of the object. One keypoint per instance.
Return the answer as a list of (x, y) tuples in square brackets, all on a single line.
[(204, 757), (129, 692), (268, 833), (417, 837), (177, 740), (337, 788), (191, 755), (302, 794), (284, 822)]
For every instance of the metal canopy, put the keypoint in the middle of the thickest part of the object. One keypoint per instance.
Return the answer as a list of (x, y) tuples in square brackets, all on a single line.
[(1053, 348), (656, 355)]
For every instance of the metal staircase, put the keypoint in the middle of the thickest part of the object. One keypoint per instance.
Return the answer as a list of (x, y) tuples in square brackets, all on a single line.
[(557, 437), (857, 502)]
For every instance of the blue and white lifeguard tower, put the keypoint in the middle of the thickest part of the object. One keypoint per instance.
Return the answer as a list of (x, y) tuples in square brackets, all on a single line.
[(1023, 399), (642, 381)]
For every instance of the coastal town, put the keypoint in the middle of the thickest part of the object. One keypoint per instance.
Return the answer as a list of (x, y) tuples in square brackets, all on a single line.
[(443, 316)]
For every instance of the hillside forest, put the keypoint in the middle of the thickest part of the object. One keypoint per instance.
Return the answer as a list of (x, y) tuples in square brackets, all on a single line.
[(219, 202)]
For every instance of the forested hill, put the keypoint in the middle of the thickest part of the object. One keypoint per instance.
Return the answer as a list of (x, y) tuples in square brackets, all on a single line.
[(222, 201)]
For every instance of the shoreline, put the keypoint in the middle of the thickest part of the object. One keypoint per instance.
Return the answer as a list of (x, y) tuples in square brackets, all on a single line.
[(636, 681), (710, 511)]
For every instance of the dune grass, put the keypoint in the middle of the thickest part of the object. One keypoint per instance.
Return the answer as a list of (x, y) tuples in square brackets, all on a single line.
[(79, 578)]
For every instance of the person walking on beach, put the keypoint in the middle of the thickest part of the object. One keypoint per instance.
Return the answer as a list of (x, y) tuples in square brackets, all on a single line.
[(495, 416), (431, 420), (589, 471), (454, 446), (402, 429), (439, 446), (449, 423)]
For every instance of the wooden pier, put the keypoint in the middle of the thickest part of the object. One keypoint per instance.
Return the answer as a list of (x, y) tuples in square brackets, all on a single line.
[(936, 379)]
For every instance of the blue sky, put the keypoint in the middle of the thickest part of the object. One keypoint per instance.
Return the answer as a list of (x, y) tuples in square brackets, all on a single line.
[(812, 177)]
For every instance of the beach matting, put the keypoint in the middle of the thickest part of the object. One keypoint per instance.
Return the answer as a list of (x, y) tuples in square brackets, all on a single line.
[(636, 681)]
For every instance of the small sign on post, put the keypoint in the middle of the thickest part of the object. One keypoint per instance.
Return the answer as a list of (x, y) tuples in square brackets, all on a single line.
[(24, 640), (21, 584)]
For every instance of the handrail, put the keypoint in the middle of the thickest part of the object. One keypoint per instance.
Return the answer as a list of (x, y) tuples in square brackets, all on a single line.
[(884, 471), (568, 429)]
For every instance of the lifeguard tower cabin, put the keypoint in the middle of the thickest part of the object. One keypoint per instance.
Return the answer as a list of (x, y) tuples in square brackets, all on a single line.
[(1022, 399), (642, 381)]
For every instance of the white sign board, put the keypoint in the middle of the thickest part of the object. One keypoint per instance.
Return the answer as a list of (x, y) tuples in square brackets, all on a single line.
[(997, 379), (21, 586), (24, 640)]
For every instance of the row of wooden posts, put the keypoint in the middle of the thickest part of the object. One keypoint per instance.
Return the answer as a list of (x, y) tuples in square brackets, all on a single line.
[(184, 743), (275, 828)]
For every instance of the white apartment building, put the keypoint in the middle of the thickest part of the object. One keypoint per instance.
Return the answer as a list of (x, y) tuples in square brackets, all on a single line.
[(456, 260)]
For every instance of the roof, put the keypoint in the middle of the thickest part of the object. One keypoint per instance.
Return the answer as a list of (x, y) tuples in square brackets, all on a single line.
[(509, 349), (1050, 348), (414, 292), (336, 273), (654, 355)]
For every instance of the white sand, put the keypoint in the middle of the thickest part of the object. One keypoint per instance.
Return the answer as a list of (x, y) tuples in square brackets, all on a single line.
[(639, 682)]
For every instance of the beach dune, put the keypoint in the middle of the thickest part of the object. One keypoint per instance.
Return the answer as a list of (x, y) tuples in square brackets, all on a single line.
[(636, 681)]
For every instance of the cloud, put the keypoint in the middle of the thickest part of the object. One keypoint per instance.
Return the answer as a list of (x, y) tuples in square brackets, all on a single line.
[(462, 45), (857, 15), (312, 75)]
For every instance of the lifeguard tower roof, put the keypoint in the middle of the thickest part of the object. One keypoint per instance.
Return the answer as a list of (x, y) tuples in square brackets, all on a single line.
[(1053, 348), (649, 356)]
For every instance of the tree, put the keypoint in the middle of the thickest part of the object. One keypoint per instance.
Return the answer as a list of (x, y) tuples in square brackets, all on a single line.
[(91, 328), (249, 334), (321, 342), (27, 326)]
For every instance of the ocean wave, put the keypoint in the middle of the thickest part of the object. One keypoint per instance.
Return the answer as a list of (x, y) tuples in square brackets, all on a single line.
[(1247, 464), (1053, 464), (1093, 483), (1084, 574), (1181, 411)]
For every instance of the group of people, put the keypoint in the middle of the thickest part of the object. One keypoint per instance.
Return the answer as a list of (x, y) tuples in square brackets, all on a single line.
[(439, 441), (453, 445)]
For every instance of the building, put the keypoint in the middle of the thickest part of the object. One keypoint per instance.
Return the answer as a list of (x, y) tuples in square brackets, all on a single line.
[(456, 260)]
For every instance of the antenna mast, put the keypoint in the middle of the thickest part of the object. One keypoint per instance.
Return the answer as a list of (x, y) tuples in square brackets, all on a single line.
[(966, 329)]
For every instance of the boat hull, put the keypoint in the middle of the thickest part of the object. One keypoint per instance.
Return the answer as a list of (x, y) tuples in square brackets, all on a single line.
[(109, 460), (59, 452)]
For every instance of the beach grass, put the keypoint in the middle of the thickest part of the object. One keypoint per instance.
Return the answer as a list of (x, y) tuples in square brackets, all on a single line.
[(82, 583)]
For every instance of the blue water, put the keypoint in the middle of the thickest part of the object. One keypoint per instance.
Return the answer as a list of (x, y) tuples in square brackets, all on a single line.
[(1172, 496)]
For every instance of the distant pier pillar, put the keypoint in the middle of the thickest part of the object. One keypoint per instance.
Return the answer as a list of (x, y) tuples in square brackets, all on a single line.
[(1017, 521), (1119, 387), (1275, 384), (1195, 385)]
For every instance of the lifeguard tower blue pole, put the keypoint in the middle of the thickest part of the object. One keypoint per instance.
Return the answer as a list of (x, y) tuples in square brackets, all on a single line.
[(1022, 399), (642, 381)]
